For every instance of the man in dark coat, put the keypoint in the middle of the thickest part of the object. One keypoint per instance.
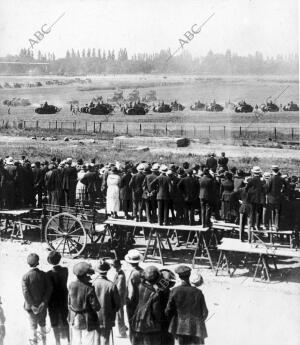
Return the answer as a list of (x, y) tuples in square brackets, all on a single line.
[(83, 306), (146, 321), (189, 187), (162, 184), (69, 182), (38, 182), (212, 163), (53, 185), (255, 192), (274, 195), (187, 310), (125, 191), (223, 162), (10, 183), (136, 184), (206, 196), (37, 291), (90, 179), (109, 301), (150, 193), (58, 302)]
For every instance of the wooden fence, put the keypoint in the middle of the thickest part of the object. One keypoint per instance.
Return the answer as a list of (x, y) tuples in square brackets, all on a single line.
[(156, 129)]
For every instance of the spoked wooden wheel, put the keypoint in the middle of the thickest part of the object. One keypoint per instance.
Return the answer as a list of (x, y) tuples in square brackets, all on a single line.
[(66, 234)]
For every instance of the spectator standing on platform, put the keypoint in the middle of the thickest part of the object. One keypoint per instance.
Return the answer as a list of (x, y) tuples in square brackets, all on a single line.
[(90, 179), (212, 163), (37, 290), (187, 310), (223, 162), (133, 257), (162, 184), (120, 283), (227, 189), (58, 302), (275, 186), (189, 187), (69, 182), (146, 320), (125, 191), (38, 182), (206, 195), (83, 307), (136, 184), (113, 192), (109, 301), (81, 187), (254, 189), (10, 188), (150, 193)]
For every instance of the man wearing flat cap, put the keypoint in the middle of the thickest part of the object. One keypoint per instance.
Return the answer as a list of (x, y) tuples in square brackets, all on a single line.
[(83, 307), (58, 302), (109, 300), (69, 182), (37, 291), (187, 310), (275, 186), (149, 193), (136, 185)]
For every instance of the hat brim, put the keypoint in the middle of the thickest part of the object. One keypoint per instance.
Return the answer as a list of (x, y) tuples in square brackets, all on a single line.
[(132, 261)]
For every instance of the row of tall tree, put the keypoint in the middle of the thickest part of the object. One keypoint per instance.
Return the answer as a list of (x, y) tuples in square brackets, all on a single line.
[(98, 61)]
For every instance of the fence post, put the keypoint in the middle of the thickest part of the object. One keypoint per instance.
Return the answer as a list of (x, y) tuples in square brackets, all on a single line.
[(100, 127), (154, 128), (166, 128), (56, 125), (86, 126), (61, 126), (240, 131), (194, 131), (49, 125), (113, 128), (24, 124), (209, 131), (94, 127), (275, 133), (224, 131), (292, 133), (37, 124), (181, 130), (127, 128), (140, 128)]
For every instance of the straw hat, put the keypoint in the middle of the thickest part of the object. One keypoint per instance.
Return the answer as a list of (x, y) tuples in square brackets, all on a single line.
[(256, 170), (133, 256)]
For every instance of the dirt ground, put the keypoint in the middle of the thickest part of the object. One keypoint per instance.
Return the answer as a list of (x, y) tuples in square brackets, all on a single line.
[(241, 311)]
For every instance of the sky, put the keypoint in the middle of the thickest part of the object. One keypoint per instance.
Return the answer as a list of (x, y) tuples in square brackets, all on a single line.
[(244, 26)]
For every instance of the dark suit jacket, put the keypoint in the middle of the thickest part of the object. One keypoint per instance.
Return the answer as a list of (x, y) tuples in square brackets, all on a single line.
[(147, 187), (84, 304), (163, 185), (189, 188), (36, 288), (38, 178), (125, 190), (90, 179), (187, 309), (206, 188), (274, 189), (136, 184), (211, 163), (69, 178), (255, 190)]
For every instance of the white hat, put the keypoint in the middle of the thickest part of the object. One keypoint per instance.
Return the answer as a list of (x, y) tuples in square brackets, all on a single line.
[(9, 161), (256, 170), (163, 168), (69, 160), (266, 174), (140, 167), (155, 167), (275, 167), (133, 256)]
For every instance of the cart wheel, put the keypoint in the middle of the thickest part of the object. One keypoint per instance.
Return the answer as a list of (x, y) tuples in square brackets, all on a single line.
[(65, 233)]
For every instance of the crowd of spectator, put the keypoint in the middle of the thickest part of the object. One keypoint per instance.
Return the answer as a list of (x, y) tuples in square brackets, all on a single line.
[(166, 194)]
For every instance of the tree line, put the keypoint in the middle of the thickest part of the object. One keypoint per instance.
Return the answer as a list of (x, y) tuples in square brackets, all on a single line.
[(100, 61)]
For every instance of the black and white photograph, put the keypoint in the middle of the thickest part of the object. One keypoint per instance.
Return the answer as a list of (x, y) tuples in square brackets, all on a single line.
[(149, 172)]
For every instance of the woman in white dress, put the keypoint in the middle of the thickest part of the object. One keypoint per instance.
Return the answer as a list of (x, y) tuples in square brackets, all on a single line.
[(113, 193), (80, 187)]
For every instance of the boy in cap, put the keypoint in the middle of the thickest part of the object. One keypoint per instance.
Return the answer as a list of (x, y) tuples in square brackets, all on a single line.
[(37, 291), (133, 257), (187, 310), (58, 302), (83, 307), (109, 300), (120, 283)]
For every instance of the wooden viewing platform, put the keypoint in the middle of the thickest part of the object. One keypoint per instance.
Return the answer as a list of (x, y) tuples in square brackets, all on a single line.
[(156, 231), (263, 250)]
